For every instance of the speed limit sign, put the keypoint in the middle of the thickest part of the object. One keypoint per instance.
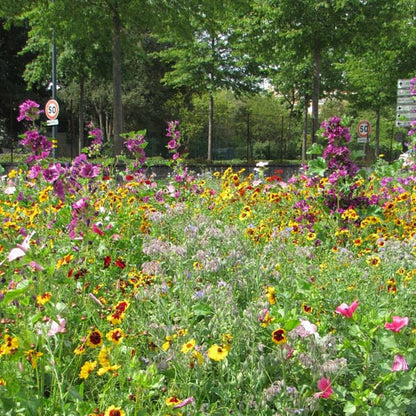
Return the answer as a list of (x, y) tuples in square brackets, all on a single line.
[(364, 128), (52, 109)]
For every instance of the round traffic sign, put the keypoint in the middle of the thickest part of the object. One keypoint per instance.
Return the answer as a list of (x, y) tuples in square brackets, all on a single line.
[(52, 109), (364, 128)]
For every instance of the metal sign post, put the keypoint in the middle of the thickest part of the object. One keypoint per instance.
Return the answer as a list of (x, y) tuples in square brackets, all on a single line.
[(54, 127)]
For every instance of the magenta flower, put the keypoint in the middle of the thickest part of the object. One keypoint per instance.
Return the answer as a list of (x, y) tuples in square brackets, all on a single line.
[(28, 110), (346, 310), (324, 384), (397, 324), (399, 363)]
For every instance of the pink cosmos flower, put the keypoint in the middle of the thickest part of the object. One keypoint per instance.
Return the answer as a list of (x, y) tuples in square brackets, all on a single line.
[(324, 384), (399, 363), (57, 327), (397, 324), (346, 310)]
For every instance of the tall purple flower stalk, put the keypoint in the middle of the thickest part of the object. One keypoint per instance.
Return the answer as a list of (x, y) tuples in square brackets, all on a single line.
[(341, 170)]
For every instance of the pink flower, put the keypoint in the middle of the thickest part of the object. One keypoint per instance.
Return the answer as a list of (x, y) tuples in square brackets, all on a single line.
[(185, 402), (346, 310), (20, 249), (397, 324), (399, 363), (324, 384), (305, 328), (36, 266), (97, 230), (57, 328)]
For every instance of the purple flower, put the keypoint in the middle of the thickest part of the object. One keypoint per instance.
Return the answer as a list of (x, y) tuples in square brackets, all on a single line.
[(52, 172), (28, 110), (89, 170)]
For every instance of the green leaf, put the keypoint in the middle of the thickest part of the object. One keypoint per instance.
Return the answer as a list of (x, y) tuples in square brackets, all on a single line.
[(349, 408), (291, 324), (315, 149), (317, 166), (13, 294)]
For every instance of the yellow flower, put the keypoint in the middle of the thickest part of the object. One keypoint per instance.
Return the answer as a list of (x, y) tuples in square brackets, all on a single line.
[(188, 346), (114, 411), (87, 369), (217, 352), (271, 294), (80, 349), (32, 356), (279, 336), (10, 345), (2, 382), (172, 401), (115, 336), (373, 261), (45, 298), (94, 338)]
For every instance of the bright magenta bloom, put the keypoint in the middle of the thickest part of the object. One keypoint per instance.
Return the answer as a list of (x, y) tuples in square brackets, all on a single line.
[(324, 384), (399, 363), (346, 310), (397, 324)]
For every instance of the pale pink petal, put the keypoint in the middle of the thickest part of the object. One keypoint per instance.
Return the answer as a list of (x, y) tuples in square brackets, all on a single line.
[(399, 363)]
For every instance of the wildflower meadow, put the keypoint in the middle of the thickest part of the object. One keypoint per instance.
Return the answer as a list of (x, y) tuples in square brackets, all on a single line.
[(218, 293)]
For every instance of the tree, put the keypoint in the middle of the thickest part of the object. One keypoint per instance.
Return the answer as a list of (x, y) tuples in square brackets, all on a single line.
[(377, 58), (204, 54)]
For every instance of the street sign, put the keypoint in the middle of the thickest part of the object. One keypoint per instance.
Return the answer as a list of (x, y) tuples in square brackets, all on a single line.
[(404, 83), (406, 104), (405, 99), (52, 122), (401, 123), (364, 128), (52, 109), (362, 140)]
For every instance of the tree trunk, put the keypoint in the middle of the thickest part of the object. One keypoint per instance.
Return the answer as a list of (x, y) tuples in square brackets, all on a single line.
[(305, 130), (210, 126), (316, 89), (377, 139), (81, 116), (117, 97)]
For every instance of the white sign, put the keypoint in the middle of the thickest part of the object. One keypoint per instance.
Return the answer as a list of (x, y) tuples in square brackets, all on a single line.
[(52, 109), (364, 128), (52, 122), (362, 140)]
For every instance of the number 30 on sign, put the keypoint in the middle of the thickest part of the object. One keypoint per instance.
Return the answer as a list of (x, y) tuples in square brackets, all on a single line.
[(52, 109)]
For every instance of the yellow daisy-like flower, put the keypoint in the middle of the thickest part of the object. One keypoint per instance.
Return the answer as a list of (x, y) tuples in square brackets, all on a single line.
[(373, 261), (103, 357), (44, 298), (172, 401), (188, 346), (9, 346), (279, 336), (115, 336), (217, 352), (166, 345), (87, 369), (80, 349), (114, 411), (32, 356), (2, 382), (94, 338), (271, 294)]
